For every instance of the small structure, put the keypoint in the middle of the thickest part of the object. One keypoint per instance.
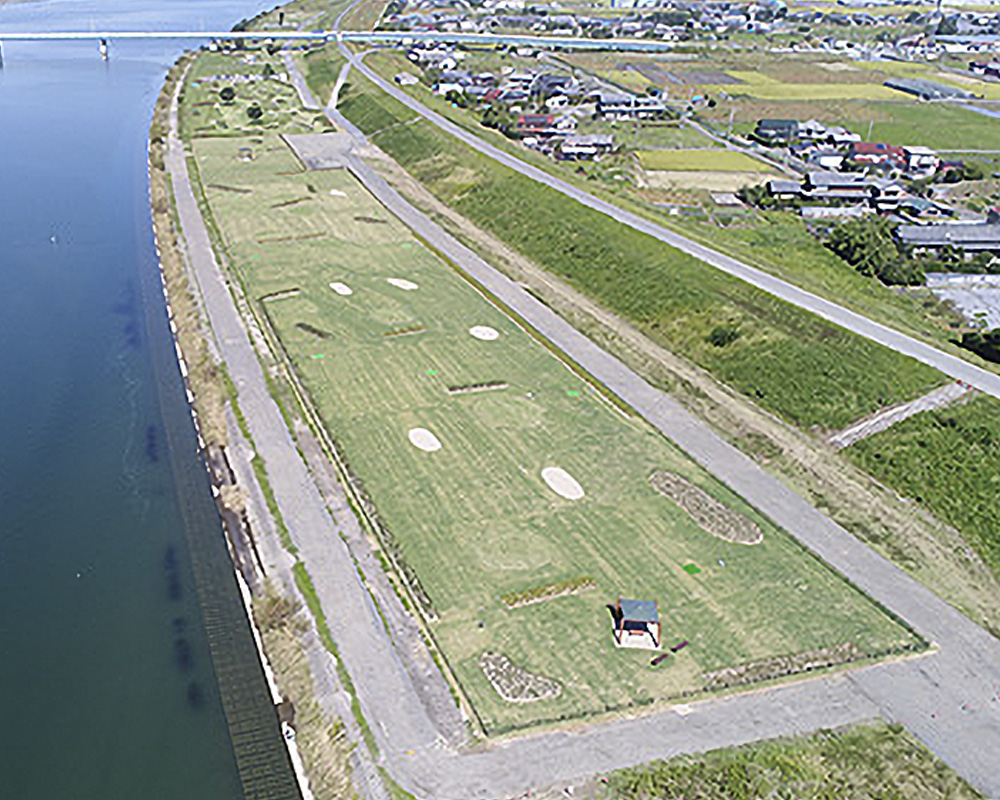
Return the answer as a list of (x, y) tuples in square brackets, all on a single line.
[(776, 131), (637, 624)]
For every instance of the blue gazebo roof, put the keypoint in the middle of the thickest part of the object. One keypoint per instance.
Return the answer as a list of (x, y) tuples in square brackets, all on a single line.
[(638, 610)]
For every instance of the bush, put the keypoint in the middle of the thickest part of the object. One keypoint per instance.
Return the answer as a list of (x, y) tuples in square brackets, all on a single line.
[(228, 94), (985, 344), (722, 336)]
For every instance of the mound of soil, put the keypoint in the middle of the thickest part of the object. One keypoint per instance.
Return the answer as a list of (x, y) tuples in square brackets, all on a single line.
[(704, 509), (515, 684)]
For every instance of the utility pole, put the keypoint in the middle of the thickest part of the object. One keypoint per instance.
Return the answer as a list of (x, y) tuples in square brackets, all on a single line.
[(871, 125)]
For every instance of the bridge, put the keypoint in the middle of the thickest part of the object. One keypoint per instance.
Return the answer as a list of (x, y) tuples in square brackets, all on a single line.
[(398, 38)]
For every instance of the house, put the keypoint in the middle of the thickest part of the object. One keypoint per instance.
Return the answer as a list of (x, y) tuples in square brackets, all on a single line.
[(878, 153), (811, 130), (838, 135), (637, 624), (776, 131), (615, 105), (548, 84), (586, 147), (840, 187), (535, 125), (826, 159), (406, 79), (970, 237), (920, 162), (988, 69)]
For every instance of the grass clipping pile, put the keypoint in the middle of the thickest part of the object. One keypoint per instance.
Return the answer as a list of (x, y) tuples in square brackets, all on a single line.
[(515, 684), (704, 509)]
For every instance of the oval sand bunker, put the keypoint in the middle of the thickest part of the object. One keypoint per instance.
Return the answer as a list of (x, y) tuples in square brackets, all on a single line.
[(424, 439), (402, 283), (562, 483), (341, 288), (484, 332)]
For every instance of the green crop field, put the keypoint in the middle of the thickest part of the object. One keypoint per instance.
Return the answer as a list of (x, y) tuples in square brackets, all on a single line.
[(710, 160), (948, 460), (474, 520)]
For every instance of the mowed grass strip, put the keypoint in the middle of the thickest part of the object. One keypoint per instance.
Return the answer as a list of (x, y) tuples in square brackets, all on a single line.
[(709, 160), (859, 763), (791, 362), (948, 461), (475, 519)]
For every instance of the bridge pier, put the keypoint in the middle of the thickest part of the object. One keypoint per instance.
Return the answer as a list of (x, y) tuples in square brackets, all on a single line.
[(103, 48)]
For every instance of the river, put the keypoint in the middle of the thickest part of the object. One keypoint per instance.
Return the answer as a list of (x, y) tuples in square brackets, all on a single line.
[(108, 686)]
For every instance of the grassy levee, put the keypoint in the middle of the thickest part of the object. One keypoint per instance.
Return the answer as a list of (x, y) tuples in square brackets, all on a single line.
[(948, 461), (790, 362), (878, 762), (475, 521), (776, 242)]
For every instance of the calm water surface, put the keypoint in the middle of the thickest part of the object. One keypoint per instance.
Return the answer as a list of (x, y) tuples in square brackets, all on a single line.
[(107, 686)]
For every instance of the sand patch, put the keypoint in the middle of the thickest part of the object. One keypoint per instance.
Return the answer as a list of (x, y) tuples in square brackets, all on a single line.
[(711, 515), (424, 440), (484, 332), (341, 288), (562, 483), (402, 283), (515, 684)]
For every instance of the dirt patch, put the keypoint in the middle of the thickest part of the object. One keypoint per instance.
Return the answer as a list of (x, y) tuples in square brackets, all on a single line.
[(549, 591), (780, 666), (515, 684), (282, 295), (472, 388), (405, 331), (704, 509), (317, 332), (301, 238), (234, 189), (288, 203)]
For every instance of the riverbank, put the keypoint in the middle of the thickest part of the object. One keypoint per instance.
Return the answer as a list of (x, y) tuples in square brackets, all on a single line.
[(287, 646)]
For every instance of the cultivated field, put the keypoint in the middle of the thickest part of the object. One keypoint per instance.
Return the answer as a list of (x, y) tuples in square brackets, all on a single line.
[(456, 420), (704, 160)]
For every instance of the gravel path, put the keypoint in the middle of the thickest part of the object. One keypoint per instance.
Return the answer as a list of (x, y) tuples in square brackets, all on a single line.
[(887, 417)]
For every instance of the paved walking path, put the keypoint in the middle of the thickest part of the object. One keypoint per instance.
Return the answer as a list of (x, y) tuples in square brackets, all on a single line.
[(950, 365), (948, 698)]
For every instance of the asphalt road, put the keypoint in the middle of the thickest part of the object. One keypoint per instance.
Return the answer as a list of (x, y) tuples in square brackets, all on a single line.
[(948, 698), (953, 366)]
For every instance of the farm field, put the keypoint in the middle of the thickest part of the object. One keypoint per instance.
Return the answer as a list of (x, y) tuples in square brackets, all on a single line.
[(702, 160), (948, 461), (790, 362), (450, 413)]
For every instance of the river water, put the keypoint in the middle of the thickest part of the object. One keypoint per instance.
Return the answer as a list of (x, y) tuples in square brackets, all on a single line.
[(108, 687)]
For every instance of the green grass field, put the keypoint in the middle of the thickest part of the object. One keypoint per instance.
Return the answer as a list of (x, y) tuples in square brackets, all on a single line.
[(475, 520), (204, 113), (710, 160), (948, 461), (880, 762)]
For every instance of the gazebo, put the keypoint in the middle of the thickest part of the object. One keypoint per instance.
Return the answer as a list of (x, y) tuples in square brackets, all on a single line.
[(637, 624)]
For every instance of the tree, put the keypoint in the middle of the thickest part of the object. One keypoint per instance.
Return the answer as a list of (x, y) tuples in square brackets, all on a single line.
[(254, 112), (983, 343), (868, 245), (228, 94), (268, 71)]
